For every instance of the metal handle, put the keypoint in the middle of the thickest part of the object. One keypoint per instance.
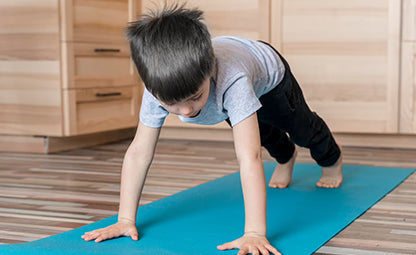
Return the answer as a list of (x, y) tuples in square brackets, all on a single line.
[(108, 94), (106, 50)]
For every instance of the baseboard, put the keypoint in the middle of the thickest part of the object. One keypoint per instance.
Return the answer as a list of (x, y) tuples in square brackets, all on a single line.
[(17, 143), (45, 144), (49, 144), (398, 141), (345, 139)]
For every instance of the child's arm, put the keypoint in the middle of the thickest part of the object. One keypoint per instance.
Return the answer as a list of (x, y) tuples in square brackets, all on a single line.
[(136, 163), (248, 149)]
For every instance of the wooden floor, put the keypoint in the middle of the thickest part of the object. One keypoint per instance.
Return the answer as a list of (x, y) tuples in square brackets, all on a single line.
[(42, 195)]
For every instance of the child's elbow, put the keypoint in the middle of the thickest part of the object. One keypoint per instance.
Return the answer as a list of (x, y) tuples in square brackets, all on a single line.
[(136, 152), (254, 157)]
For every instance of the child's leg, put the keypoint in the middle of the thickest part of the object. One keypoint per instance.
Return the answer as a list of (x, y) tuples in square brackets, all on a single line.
[(283, 150), (331, 175), (323, 148), (285, 107), (282, 175), (308, 130)]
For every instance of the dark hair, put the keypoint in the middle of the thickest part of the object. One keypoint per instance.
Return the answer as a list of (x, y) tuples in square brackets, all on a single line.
[(172, 51)]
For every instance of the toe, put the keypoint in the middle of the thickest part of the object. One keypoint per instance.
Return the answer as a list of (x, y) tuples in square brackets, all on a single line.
[(278, 185)]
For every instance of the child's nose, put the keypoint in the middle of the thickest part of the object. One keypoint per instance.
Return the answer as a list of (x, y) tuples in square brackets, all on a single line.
[(187, 111)]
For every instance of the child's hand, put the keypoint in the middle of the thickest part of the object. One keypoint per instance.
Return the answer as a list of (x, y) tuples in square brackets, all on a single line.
[(113, 231), (251, 243)]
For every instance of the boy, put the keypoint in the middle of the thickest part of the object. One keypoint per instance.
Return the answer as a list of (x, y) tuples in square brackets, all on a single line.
[(245, 82)]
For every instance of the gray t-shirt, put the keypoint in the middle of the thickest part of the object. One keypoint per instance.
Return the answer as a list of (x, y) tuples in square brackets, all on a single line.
[(245, 70)]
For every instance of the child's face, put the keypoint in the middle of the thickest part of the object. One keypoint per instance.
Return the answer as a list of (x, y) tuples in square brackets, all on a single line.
[(191, 106)]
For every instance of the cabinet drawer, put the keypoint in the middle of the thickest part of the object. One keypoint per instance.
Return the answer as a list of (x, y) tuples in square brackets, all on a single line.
[(98, 65), (409, 20), (95, 20), (100, 109)]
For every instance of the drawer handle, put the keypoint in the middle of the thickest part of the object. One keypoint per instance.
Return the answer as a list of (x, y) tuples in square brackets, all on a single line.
[(108, 94), (106, 50)]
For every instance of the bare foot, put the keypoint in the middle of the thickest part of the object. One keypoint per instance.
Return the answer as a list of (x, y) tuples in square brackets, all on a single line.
[(282, 175), (331, 175)]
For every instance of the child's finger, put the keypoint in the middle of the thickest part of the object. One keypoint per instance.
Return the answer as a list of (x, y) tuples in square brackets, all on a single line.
[(272, 249), (263, 251), (242, 252), (134, 234), (107, 234), (86, 235), (255, 252), (226, 246), (89, 234), (92, 235)]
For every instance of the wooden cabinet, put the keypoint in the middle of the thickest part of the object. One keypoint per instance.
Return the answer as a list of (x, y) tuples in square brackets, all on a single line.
[(65, 67), (100, 90), (346, 57)]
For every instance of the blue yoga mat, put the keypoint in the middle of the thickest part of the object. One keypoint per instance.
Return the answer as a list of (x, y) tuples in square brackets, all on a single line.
[(300, 218)]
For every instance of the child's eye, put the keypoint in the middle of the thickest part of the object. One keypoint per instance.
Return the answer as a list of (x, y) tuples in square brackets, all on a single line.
[(196, 98), (169, 104)]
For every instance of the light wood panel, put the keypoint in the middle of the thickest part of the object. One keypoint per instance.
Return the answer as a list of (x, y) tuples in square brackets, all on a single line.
[(42, 195), (90, 65), (95, 20), (101, 109), (29, 67), (19, 143), (54, 45), (345, 54), (408, 89), (408, 69), (409, 20), (233, 17), (30, 119)]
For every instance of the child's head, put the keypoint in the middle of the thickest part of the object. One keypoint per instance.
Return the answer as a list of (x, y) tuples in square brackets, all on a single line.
[(172, 51)]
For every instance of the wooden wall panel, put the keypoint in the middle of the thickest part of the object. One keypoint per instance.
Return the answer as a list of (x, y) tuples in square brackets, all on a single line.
[(345, 55), (408, 89), (232, 17), (409, 20), (30, 68)]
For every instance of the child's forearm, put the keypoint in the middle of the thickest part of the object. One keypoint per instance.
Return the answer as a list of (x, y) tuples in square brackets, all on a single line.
[(248, 150), (132, 181), (254, 190), (136, 163)]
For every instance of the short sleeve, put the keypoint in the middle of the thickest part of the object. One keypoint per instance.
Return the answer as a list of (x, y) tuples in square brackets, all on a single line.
[(152, 113), (240, 100)]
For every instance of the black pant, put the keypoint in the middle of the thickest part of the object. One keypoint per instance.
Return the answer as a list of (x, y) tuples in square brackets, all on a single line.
[(284, 110)]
